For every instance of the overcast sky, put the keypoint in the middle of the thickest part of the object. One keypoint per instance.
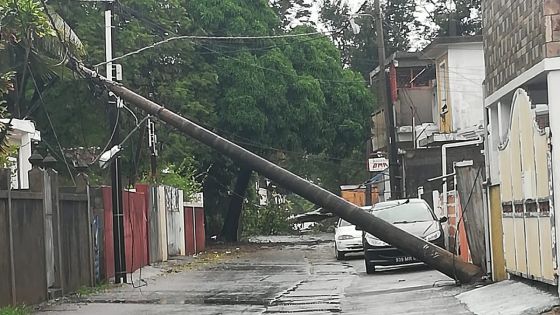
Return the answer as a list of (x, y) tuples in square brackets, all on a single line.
[(421, 14)]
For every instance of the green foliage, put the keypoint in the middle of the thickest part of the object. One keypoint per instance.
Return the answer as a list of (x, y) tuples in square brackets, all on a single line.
[(293, 11), (464, 14), (15, 310), (6, 84), (290, 100), (182, 177), (84, 291), (266, 220), (22, 19), (359, 51)]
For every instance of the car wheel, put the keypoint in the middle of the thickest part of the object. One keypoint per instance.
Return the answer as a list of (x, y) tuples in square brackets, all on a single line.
[(370, 268), (339, 255)]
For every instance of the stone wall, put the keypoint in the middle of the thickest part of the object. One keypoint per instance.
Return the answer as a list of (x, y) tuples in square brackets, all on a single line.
[(514, 38), (552, 27)]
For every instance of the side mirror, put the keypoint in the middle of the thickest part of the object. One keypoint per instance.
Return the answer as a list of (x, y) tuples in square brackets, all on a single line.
[(442, 220), (358, 228)]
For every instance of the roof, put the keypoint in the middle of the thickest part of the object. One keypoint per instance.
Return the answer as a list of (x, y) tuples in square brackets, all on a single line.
[(404, 59), (440, 44)]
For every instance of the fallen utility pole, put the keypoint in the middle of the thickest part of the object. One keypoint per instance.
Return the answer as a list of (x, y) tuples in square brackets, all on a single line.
[(430, 254)]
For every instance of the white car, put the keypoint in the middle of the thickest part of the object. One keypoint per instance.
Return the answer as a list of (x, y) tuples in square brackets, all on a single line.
[(346, 239)]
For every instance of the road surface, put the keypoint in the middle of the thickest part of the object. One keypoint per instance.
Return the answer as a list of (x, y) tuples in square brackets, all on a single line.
[(279, 279)]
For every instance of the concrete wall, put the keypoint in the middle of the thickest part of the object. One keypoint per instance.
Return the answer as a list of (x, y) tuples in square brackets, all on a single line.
[(466, 74), (175, 221)]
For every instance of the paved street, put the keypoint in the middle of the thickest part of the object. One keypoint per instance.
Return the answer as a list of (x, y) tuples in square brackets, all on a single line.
[(277, 279)]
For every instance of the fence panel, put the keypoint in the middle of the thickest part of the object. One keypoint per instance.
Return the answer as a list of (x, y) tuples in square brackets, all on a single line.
[(74, 241), (135, 232), (175, 221), (6, 295), (28, 227)]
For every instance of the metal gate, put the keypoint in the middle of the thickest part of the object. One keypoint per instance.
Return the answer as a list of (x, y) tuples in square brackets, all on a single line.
[(528, 225)]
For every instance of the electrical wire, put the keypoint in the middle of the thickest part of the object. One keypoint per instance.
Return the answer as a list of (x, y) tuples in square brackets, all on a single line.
[(110, 138), (42, 102), (278, 71), (196, 37)]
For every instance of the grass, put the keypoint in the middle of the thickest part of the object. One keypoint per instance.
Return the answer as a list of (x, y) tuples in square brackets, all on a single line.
[(85, 291), (15, 310)]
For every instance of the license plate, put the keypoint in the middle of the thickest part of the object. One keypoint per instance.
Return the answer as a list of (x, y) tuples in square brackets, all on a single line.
[(404, 259)]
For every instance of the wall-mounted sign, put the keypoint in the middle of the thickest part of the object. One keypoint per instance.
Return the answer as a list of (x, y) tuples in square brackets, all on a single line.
[(378, 164)]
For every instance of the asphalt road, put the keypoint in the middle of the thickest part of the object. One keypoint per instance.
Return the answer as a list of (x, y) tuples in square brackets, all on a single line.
[(280, 279)]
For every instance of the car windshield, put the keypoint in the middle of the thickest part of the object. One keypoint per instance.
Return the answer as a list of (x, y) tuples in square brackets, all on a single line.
[(344, 223), (403, 212)]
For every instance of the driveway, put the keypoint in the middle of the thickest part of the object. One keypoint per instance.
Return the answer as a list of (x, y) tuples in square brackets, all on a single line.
[(301, 278)]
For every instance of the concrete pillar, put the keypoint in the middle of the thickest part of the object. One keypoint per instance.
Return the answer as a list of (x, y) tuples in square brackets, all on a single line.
[(553, 79)]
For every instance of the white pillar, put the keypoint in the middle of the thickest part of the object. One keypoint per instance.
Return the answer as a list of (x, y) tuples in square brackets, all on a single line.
[(553, 79), (24, 164)]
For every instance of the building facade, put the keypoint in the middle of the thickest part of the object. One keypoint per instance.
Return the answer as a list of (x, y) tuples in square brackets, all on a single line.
[(522, 60)]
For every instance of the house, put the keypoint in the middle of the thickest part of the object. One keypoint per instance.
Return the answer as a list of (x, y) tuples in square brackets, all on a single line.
[(458, 75), (21, 137), (412, 97), (522, 60), (438, 99)]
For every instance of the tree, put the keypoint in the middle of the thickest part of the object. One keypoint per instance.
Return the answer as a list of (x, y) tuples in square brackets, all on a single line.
[(293, 12), (286, 99), (359, 51), (461, 18), (32, 51)]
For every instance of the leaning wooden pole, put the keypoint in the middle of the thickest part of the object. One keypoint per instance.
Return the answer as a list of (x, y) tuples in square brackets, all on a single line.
[(430, 254)]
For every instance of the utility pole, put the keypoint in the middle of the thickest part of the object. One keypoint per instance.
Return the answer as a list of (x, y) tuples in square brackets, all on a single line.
[(427, 252), (116, 178), (392, 149)]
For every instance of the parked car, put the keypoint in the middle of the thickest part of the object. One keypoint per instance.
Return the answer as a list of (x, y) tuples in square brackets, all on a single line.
[(346, 239), (411, 215)]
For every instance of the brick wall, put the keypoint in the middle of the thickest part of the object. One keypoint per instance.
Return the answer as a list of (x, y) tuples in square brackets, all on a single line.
[(514, 37)]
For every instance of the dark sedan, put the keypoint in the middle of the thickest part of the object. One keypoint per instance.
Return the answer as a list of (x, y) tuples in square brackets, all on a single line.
[(411, 215)]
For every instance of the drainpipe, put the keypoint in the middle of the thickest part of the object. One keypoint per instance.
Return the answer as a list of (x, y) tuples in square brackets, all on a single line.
[(444, 148)]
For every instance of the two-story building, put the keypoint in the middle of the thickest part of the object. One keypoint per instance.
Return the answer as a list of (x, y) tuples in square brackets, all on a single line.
[(437, 97)]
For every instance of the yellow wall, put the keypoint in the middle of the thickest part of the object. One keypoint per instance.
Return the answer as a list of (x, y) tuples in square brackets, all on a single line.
[(497, 235), (445, 121)]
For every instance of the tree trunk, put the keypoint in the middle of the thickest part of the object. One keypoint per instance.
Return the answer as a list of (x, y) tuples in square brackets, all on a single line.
[(231, 223)]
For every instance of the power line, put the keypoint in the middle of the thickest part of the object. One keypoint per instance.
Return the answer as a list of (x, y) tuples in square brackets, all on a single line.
[(278, 71), (51, 124), (196, 37), (250, 142)]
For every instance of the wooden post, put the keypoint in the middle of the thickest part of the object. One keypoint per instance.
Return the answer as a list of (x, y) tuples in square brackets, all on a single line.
[(5, 184), (82, 186)]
